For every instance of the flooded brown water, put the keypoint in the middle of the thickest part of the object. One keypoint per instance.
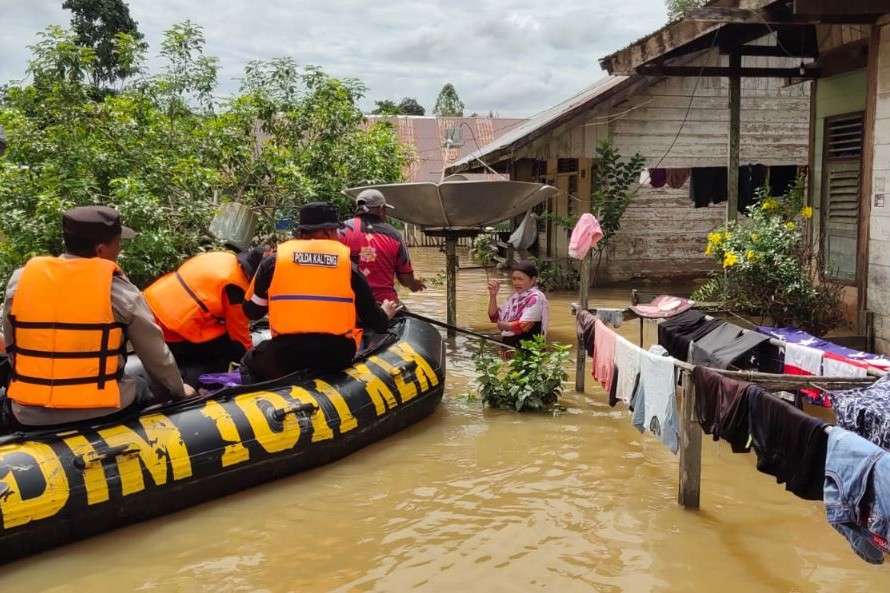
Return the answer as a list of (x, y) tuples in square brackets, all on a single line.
[(475, 500)]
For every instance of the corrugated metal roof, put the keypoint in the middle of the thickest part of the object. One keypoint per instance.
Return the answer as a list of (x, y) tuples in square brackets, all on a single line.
[(428, 135), (547, 118)]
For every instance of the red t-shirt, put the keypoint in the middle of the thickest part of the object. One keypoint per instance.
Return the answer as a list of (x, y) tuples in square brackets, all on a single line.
[(379, 252)]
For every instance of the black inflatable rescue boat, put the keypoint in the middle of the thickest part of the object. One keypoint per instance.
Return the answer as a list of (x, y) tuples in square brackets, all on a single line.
[(60, 486)]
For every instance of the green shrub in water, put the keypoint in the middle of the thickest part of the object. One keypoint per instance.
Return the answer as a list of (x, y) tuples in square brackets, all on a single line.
[(557, 275), (531, 380)]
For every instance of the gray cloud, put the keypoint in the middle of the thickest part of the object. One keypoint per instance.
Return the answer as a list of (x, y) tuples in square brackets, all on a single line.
[(514, 57)]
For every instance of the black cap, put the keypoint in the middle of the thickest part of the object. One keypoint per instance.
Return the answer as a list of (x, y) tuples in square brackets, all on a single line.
[(526, 267), (95, 222), (319, 215)]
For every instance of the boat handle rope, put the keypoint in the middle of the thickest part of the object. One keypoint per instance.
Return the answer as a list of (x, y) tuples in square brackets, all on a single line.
[(299, 409), (82, 461)]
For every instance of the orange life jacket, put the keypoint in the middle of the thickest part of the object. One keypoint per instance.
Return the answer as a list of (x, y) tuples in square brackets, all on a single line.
[(189, 302), (66, 345), (311, 289)]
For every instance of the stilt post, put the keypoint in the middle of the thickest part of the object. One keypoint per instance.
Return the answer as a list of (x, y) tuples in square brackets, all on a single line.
[(583, 302), (690, 446), (735, 134), (451, 280)]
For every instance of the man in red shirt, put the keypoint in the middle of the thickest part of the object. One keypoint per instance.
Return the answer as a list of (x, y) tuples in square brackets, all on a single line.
[(378, 249)]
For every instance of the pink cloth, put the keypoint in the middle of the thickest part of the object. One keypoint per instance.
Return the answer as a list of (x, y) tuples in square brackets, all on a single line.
[(662, 307), (586, 235), (604, 355)]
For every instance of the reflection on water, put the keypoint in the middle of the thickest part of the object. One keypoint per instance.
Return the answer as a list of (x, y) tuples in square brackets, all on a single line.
[(478, 500)]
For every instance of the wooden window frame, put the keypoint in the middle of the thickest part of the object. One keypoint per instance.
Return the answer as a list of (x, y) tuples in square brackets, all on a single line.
[(823, 218)]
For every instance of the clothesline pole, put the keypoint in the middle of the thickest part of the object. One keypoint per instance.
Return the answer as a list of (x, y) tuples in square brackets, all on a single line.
[(581, 356), (689, 492)]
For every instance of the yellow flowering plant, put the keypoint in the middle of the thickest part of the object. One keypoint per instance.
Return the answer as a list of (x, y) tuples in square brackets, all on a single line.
[(768, 268)]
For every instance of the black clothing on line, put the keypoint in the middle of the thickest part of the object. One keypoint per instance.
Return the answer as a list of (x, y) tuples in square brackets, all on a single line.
[(675, 333), (751, 178), (781, 179), (728, 345), (721, 407), (790, 444), (708, 186)]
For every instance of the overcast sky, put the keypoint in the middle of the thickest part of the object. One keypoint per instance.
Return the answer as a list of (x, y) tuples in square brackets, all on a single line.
[(514, 57)]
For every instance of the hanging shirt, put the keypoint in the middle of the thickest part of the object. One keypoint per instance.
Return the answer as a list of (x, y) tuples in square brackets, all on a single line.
[(655, 401), (628, 358), (805, 361)]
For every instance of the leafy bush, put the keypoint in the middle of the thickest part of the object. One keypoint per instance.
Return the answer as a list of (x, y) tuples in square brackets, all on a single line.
[(484, 249), (531, 380), (167, 153), (769, 268), (557, 275)]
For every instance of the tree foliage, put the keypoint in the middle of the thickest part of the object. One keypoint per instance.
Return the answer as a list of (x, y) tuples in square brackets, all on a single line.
[(448, 104), (677, 8), (98, 25), (410, 106), (407, 106), (167, 153)]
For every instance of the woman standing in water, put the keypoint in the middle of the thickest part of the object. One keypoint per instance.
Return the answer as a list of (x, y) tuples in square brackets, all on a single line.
[(526, 313)]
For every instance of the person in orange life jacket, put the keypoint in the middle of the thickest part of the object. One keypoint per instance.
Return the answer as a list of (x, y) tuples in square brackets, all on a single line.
[(316, 301), (378, 249), (66, 322), (199, 309)]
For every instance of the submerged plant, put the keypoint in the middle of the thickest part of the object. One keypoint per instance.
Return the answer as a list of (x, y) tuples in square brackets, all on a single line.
[(531, 380)]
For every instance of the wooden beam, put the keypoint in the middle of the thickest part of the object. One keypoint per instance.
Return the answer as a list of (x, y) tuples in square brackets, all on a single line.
[(774, 51), (718, 71), (665, 40), (862, 9), (865, 189), (735, 139), (742, 16)]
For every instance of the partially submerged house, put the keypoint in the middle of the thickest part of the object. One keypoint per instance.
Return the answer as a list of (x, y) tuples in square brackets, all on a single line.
[(680, 127), (844, 46)]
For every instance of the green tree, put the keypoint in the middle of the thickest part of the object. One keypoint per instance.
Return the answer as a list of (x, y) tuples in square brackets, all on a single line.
[(614, 183), (677, 8), (167, 153), (448, 104), (98, 25), (386, 107), (410, 106)]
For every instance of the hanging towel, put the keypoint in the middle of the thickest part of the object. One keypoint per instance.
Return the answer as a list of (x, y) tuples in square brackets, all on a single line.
[(603, 355), (805, 361), (627, 359), (865, 411), (655, 401), (658, 177), (677, 178), (586, 234), (708, 186)]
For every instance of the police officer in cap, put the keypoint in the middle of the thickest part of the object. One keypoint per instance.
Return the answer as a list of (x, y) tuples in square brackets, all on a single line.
[(67, 321), (316, 301)]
